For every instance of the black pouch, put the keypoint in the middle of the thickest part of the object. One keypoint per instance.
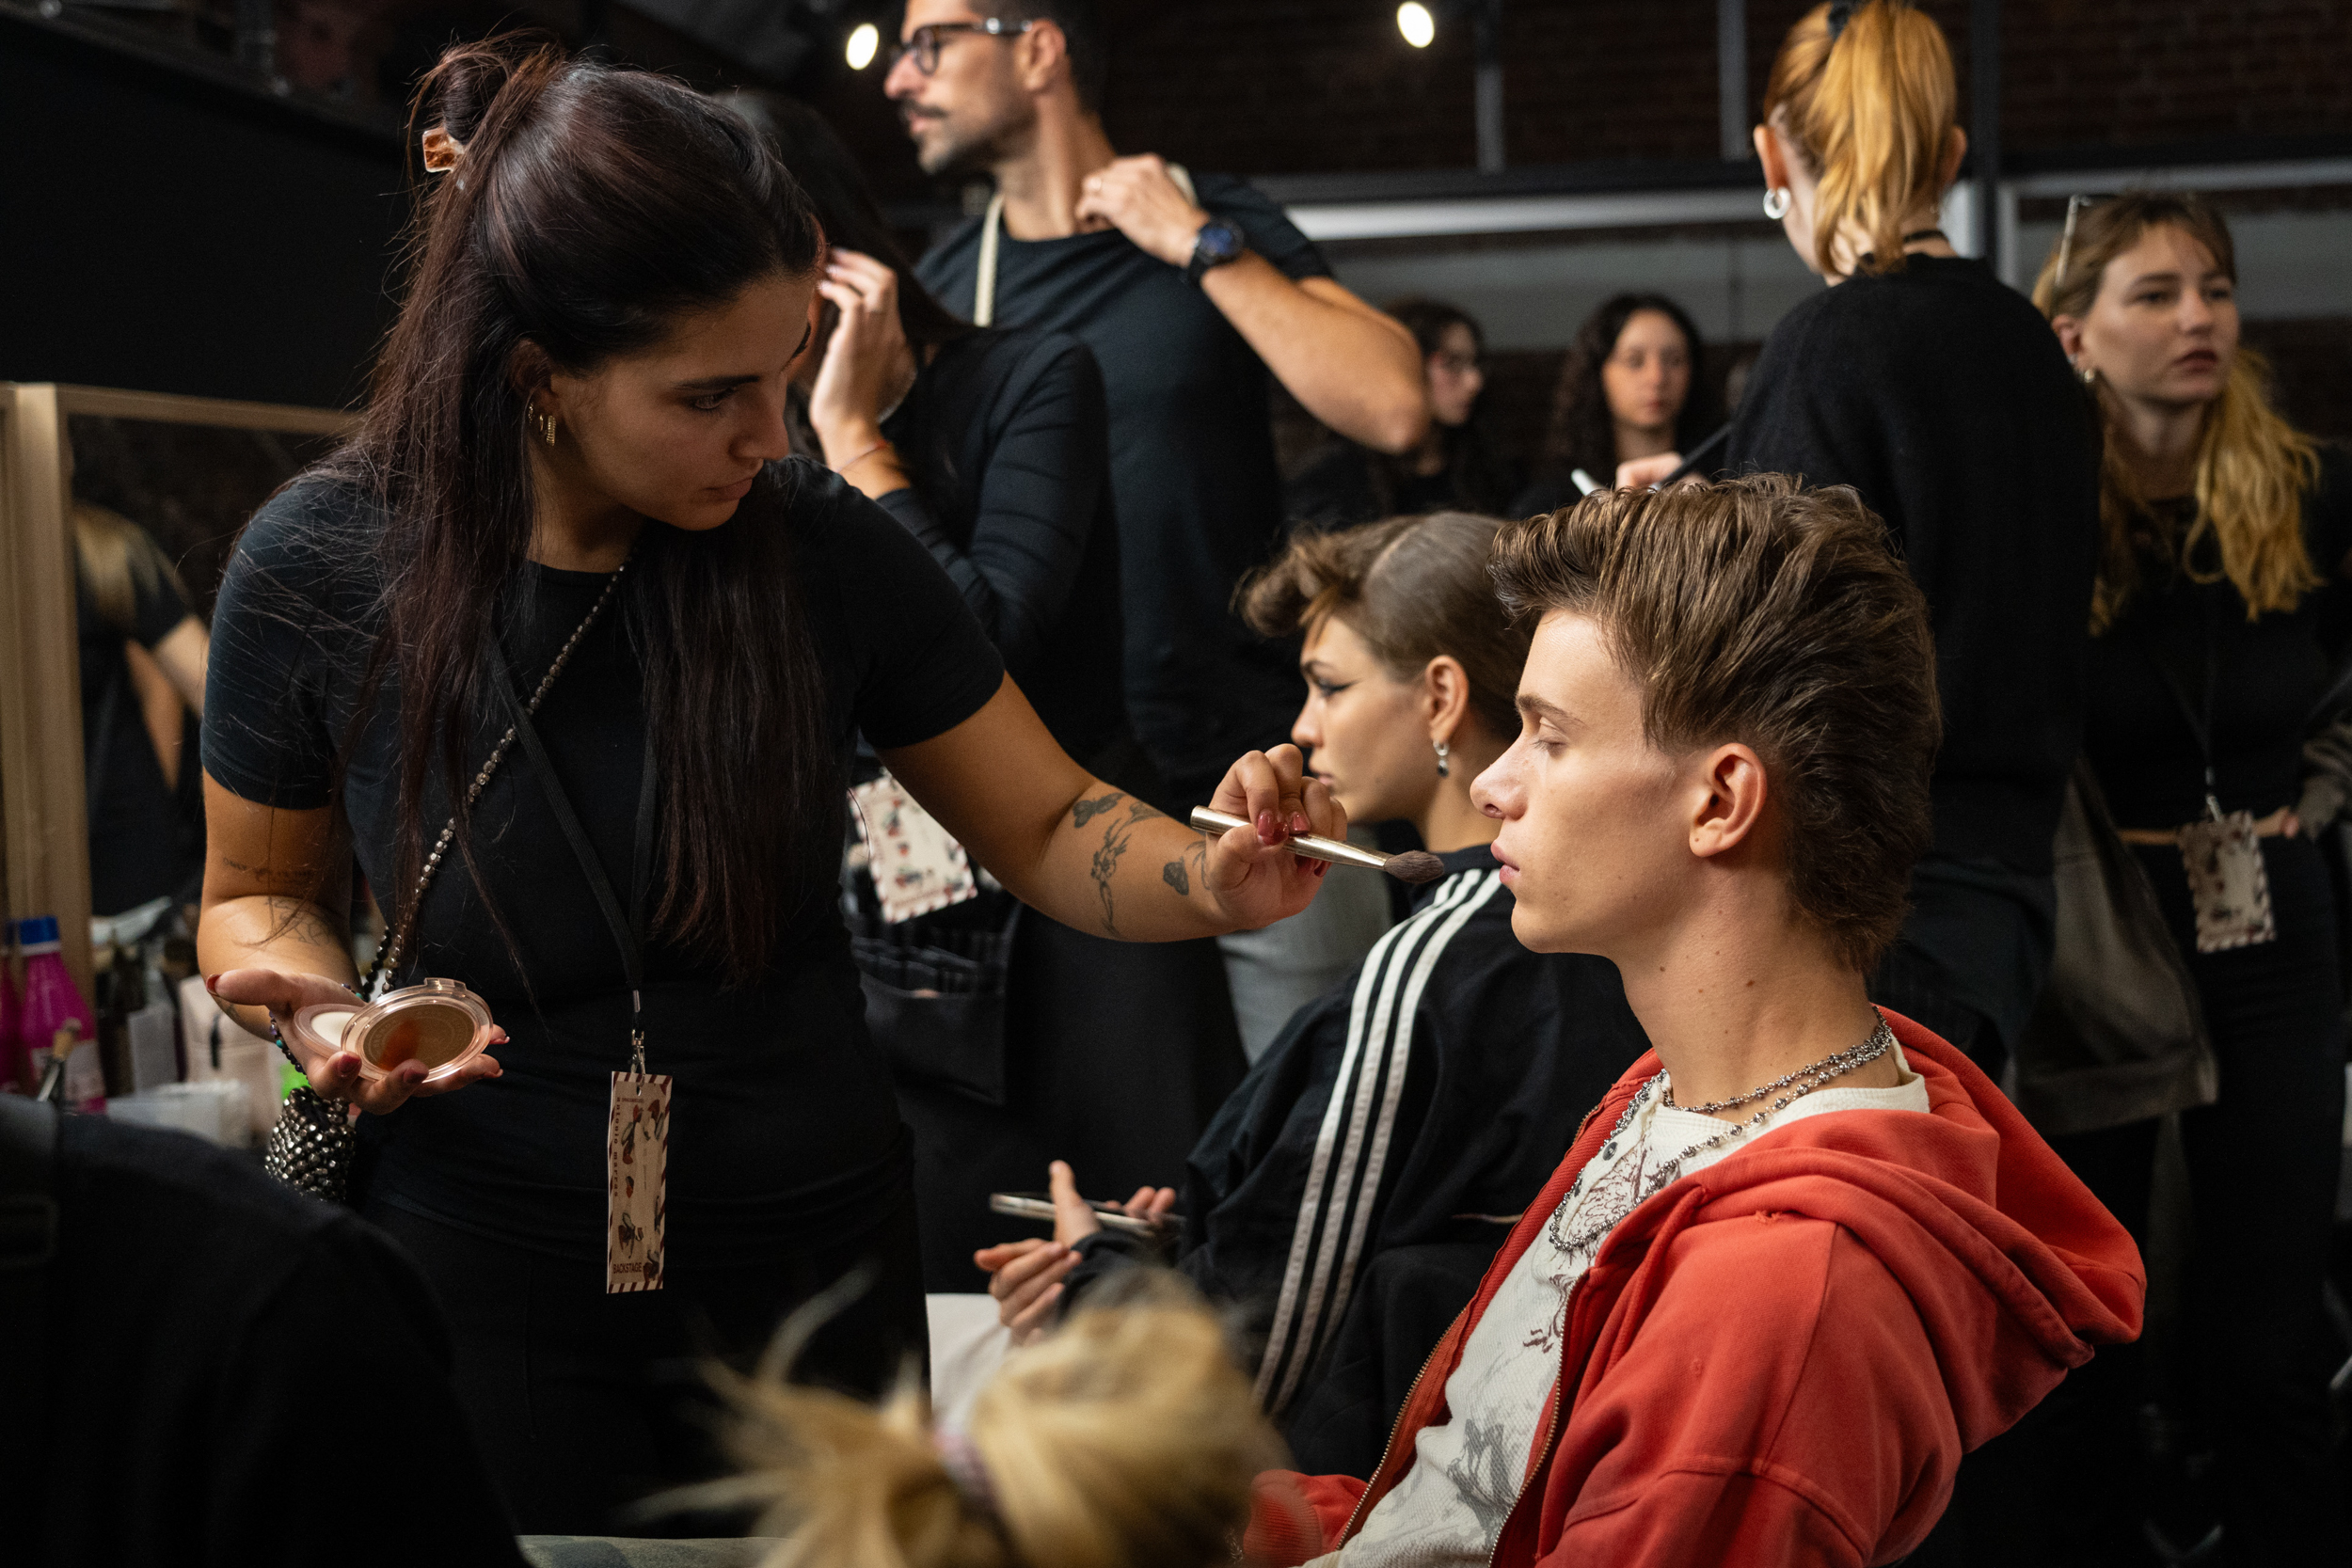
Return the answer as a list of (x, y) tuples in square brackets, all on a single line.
[(935, 989)]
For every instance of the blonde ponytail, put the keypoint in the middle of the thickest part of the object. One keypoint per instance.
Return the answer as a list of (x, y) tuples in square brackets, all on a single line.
[(1871, 110), (1128, 1439)]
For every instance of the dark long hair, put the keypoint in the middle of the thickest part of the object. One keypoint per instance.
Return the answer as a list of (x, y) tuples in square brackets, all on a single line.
[(828, 173), (590, 208), (1483, 479), (1583, 434)]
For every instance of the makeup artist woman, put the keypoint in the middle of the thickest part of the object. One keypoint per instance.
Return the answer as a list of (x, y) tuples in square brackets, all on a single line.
[(567, 483)]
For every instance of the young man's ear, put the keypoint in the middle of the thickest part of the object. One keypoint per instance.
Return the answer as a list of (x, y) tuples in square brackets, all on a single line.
[(1729, 795)]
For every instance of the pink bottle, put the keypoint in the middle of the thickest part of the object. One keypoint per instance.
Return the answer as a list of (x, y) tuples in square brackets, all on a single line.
[(57, 1018), (14, 1070)]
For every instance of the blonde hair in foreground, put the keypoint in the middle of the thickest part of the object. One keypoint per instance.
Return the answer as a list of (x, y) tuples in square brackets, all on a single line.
[(2252, 466), (1127, 1439), (1872, 111)]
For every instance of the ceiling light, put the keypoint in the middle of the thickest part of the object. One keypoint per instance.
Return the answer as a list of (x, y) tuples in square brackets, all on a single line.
[(864, 43), (1414, 21)]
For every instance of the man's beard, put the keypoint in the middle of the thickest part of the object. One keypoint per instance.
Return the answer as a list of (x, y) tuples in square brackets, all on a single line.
[(945, 149)]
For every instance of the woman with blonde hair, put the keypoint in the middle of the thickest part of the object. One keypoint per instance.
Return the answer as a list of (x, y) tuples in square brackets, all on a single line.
[(1127, 1439), (2217, 619), (1933, 389)]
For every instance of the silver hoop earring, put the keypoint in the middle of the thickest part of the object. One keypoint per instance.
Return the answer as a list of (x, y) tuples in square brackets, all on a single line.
[(1776, 203), (1444, 766)]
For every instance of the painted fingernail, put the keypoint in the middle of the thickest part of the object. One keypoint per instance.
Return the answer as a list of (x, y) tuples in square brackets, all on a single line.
[(1267, 832), (1299, 823), (212, 984)]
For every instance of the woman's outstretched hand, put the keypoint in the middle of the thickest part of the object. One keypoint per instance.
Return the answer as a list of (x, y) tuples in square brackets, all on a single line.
[(1025, 1276), (1249, 872), (335, 1074)]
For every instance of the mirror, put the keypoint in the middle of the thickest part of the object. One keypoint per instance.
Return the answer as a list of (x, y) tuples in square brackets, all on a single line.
[(118, 512)]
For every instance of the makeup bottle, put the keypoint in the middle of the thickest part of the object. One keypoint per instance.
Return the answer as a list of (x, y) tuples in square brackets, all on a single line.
[(58, 1024)]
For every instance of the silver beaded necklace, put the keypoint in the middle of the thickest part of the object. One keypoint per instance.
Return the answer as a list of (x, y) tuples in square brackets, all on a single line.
[(1803, 1080), (388, 960)]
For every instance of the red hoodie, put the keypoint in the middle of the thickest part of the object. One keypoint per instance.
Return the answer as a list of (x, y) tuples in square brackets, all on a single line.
[(1781, 1358)]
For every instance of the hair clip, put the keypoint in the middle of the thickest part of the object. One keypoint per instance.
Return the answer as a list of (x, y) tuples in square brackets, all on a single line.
[(442, 151), (2075, 204), (1839, 14)]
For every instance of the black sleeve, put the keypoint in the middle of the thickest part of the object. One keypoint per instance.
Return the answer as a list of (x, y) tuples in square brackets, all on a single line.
[(1038, 495), (916, 662), (1271, 232), (395, 1417), (266, 735)]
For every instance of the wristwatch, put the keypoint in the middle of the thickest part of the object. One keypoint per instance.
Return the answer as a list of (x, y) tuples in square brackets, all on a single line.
[(1218, 242)]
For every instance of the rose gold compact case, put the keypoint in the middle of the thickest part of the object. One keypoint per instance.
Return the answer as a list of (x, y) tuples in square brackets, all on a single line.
[(439, 1023)]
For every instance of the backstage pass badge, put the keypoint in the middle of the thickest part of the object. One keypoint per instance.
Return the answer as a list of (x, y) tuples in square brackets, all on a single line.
[(637, 1165), (2227, 883), (917, 865)]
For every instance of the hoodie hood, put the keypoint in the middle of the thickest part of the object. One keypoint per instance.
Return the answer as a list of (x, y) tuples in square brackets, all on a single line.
[(2016, 1270)]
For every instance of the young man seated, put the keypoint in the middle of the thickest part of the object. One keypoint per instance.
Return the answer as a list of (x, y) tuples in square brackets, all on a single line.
[(1804, 1255)]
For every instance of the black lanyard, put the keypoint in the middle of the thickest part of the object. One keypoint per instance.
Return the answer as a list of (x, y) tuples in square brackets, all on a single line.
[(2200, 716), (629, 930)]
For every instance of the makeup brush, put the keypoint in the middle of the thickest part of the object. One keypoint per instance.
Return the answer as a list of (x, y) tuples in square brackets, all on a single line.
[(1413, 865)]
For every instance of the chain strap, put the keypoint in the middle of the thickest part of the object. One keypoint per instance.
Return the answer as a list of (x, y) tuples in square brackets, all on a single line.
[(387, 960)]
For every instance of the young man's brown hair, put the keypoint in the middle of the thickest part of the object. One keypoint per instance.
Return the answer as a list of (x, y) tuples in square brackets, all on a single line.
[(1759, 611)]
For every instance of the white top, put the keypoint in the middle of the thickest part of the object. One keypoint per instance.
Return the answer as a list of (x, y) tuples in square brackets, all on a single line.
[(1466, 1476)]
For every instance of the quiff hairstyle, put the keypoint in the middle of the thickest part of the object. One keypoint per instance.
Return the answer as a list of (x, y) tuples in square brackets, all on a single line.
[(1412, 587), (1761, 611)]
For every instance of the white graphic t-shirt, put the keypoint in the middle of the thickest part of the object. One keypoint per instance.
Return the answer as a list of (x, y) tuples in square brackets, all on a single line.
[(1466, 1476)]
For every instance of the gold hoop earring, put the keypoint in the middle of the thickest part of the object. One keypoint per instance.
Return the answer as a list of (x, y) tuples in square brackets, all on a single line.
[(545, 423)]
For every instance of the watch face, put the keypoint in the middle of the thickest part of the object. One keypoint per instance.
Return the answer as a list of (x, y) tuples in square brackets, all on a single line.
[(1219, 240)]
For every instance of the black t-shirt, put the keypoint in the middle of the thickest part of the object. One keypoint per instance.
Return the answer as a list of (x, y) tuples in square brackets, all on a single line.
[(236, 1373), (135, 850), (1193, 473), (2266, 672), (1339, 489), (1006, 438), (784, 1130), (1942, 397)]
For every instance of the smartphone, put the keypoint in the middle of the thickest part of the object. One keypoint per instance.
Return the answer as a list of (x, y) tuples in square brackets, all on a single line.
[(1038, 1206)]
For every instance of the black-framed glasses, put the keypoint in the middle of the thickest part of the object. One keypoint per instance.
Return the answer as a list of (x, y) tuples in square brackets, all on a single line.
[(926, 43)]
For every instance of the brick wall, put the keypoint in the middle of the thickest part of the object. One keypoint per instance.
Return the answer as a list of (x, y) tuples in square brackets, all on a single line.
[(1324, 85)]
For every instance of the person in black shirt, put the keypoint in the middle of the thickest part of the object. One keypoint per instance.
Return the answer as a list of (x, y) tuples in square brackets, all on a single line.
[(1457, 466), (996, 458), (1628, 390), (1190, 289), (126, 594), (1409, 1113), (2220, 617), (161, 1407), (1937, 392), (563, 593)]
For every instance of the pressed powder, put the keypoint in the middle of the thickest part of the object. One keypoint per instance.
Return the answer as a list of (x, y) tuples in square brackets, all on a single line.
[(439, 1023)]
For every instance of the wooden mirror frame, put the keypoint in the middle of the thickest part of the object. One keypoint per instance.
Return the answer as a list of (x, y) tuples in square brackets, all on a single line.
[(44, 831)]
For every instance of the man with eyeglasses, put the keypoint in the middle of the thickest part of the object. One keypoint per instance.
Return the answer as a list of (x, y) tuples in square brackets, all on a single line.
[(1191, 290)]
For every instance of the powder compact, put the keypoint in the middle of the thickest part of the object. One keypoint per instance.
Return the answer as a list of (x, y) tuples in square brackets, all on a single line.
[(439, 1023)]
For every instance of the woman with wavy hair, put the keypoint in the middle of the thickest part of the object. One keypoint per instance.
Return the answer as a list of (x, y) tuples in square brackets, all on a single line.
[(2219, 620), (1630, 389), (568, 655)]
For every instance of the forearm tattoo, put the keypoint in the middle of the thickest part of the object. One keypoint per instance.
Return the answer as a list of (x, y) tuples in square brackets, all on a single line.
[(1180, 872), (1118, 836)]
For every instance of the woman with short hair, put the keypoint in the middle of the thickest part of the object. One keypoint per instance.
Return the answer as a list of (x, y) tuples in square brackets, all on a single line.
[(2218, 624)]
